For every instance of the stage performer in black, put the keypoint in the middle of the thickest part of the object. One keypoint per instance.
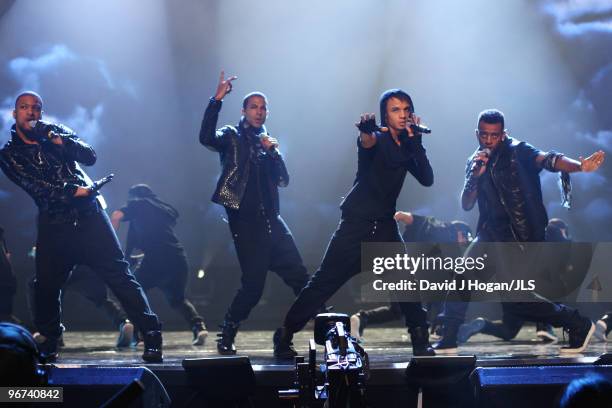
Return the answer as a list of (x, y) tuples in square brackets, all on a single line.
[(503, 176), (164, 264), (252, 170), (384, 156), (73, 229)]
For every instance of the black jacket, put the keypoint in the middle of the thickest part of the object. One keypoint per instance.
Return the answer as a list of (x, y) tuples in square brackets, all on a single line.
[(234, 150), (49, 173), (515, 176)]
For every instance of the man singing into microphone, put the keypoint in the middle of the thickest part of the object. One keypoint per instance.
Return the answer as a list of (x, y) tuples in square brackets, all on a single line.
[(252, 171), (503, 177), (384, 156), (42, 158)]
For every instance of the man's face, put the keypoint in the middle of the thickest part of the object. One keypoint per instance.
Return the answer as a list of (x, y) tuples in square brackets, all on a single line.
[(27, 108), (256, 111), (398, 112), (490, 135)]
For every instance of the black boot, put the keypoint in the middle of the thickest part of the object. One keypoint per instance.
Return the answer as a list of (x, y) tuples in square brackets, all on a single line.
[(225, 342), (153, 347), (448, 342), (420, 341), (48, 348), (283, 347)]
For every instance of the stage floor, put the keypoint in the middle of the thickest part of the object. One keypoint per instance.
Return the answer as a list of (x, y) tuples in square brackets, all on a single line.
[(387, 348)]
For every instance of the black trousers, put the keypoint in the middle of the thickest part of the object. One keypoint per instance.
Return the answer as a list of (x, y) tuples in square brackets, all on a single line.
[(90, 241), (167, 270), (263, 243), (342, 261), (88, 284)]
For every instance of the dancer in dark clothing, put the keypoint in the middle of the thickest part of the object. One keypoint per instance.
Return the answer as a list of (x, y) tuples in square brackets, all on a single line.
[(417, 228), (73, 228), (164, 264), (510, 325), (385, 155), (252, 170)]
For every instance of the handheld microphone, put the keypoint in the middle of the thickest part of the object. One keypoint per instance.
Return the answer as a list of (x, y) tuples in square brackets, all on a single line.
[(98, 184), (273, 150), (478, 163), (43, 130), (417, 128)]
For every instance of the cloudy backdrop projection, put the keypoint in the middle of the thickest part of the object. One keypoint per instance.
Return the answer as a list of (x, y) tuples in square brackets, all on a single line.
[(133, 79)]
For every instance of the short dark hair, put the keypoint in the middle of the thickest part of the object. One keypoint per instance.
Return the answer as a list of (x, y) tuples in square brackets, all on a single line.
[(31, 93), (491, 116), (392, 93), (140, 191), (248, 96)]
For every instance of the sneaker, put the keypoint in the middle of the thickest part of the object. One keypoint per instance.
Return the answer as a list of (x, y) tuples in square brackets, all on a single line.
[(199, 334), (545, 333), (126, 334), (579, 338), (601, 331), (225, 342), (283, 347), (153, 347), (467, 330), (358, 324), (448, 343), (420, 342)]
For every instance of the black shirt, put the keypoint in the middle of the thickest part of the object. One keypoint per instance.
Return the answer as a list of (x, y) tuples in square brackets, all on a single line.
[(381, 171), (256, 196), (151, 228)]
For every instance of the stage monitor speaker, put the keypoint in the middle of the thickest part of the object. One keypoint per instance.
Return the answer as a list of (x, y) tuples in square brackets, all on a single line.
[(221, 378), (97, 386), (528, 386), (441, 381)]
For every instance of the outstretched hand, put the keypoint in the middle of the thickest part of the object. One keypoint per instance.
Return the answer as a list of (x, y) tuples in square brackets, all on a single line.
[(592, 162), (368, 125), (225, 86)]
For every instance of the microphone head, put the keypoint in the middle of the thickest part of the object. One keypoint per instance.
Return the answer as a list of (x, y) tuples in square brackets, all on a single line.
[(487, 151), (420, 128), (32, 123)]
